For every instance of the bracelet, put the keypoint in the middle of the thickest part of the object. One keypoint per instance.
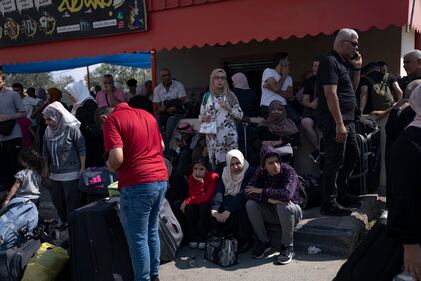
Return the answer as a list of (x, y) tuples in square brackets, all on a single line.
[(356, 69)]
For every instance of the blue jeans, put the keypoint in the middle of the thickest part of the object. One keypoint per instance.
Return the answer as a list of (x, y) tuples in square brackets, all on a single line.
[(140, 206)]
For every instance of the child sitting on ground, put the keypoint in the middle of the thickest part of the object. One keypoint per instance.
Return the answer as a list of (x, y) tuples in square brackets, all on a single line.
[(28, 181), (196, 207)]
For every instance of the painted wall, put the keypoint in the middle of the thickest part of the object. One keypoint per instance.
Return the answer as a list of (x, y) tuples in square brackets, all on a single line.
[(193, 66), (407, 44)]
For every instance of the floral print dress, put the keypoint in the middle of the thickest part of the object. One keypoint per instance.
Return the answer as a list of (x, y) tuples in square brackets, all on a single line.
[(226, 137)]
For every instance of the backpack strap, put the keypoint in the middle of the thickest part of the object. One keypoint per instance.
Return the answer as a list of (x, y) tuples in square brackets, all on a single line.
[(206, 98)]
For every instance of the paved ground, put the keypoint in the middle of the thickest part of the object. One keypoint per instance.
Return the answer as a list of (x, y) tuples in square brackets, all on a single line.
[(305, 267)]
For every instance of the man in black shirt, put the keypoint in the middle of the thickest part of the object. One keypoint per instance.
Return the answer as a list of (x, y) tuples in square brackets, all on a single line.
[(337, 77)]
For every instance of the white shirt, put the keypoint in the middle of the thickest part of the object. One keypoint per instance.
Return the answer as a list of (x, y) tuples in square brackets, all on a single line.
[(176, 91), (28, 104), (269, 96)]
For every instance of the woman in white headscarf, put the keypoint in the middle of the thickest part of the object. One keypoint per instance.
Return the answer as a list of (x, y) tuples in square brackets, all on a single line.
[(64, 150), (228, 204), (84, 107), (79, 94), (404, 190), (220, 106)]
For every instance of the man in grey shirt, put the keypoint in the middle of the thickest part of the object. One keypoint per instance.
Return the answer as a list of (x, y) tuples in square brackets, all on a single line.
[(11, 108)]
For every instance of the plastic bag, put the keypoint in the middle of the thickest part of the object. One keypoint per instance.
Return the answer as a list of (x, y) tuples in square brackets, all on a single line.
[(47, 263)]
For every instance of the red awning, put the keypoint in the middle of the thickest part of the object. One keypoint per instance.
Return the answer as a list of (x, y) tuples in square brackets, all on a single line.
[(187, 23)]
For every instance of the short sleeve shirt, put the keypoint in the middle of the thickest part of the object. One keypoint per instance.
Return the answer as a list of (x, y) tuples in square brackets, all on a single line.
[(28, 104), (176, 91), (11, 103), (102, 99), (269, 96), (137, 133), (31, 184), (334, 71)]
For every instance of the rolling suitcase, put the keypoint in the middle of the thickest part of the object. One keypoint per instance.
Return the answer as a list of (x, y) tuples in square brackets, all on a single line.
[(14, 260), (170, 233), (366, 175), (99, 250)]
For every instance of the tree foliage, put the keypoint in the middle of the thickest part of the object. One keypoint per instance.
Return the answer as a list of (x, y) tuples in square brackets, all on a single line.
[(62, 81), (120, 73), (36, 80)]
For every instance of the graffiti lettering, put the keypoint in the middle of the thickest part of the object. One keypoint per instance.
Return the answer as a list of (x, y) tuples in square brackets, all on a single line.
[(75, 6)]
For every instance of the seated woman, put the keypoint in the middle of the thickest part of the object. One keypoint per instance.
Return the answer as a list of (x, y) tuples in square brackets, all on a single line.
[(196, 206), (277, 130), (228, 211), (274, 197)]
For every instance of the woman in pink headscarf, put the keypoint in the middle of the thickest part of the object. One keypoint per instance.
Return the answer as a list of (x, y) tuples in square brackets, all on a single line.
[(246, 96)]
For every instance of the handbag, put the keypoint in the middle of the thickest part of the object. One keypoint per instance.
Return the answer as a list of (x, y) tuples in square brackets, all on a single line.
[(208, 128), (222, 250), (95, 180), (6, 127)]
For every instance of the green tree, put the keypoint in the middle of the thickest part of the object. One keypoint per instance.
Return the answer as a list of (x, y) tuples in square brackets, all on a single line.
[(62, 81), (120, 73), (36, 80)]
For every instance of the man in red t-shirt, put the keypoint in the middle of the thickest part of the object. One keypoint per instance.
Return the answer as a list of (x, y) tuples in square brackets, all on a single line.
[(135, 151)]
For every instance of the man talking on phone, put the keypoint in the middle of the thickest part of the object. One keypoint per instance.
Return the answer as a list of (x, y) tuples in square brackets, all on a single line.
[(337, 79)]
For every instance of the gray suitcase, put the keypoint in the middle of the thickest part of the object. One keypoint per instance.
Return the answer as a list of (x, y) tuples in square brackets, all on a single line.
[(170, 233)]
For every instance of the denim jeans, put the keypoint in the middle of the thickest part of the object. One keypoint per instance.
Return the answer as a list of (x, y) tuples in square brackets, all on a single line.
[(140, 206)]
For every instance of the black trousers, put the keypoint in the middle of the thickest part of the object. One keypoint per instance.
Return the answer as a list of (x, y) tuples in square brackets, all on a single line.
[(237, 224), (340, 161), (65, 196), (198, 221), (9, 164)]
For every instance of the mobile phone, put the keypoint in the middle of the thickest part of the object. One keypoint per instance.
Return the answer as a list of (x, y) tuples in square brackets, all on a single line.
[(354, 56)]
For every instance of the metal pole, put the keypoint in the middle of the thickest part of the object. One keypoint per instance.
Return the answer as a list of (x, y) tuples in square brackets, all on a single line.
[(153, 72), (88, 77)]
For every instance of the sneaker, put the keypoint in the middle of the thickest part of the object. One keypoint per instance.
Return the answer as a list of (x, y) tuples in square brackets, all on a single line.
[(193, 245), (315, 156), (349, 200), (261, 250), (335, 210), (285, 257), (202, 246)]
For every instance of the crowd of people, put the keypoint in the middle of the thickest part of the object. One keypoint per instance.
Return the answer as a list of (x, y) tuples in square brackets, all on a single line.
[(219, 186)]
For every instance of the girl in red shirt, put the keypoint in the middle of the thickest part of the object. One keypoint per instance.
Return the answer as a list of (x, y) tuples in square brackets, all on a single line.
[(196, 207)]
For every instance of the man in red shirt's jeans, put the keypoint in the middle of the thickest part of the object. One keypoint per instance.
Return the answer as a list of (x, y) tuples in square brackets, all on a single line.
[(135, 151)]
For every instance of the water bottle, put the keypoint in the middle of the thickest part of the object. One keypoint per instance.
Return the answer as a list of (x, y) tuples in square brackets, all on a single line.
[(403, 277), (192, 262)]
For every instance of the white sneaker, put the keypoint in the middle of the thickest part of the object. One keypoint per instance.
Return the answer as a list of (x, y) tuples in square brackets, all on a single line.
[(202, 245), (193, 245)]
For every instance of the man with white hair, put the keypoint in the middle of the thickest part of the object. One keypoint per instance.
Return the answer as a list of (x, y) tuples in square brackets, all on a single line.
[(412, 65), (338, 77)]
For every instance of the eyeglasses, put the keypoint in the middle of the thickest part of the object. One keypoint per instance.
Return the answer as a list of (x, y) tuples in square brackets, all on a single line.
[(354, 44), (220, 78)]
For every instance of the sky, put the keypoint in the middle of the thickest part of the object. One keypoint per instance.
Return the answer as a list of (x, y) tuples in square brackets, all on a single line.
[(76, 73)]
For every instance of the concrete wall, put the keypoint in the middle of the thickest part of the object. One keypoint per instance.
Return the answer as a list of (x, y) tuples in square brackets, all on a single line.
[(193, 66), (407, 44)]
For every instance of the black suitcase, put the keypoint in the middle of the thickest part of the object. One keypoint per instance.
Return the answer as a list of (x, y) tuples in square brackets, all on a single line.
[(99, 249), (377, 258), (366, 175), (14, 260)]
